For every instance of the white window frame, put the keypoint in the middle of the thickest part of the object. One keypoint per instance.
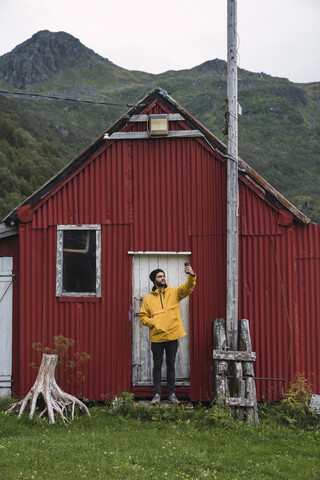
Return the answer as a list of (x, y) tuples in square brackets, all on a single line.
[(59, 261)]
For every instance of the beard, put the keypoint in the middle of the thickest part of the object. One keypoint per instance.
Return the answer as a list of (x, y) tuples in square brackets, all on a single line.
[(161, 284)]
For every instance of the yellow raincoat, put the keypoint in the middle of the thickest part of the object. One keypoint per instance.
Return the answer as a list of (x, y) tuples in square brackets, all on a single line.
[(160, 311)]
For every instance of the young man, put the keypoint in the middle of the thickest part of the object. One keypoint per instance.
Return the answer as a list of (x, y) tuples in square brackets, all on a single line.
[(160, 311)]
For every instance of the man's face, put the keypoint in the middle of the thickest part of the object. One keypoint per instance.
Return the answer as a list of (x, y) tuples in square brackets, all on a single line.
[(160, 279)]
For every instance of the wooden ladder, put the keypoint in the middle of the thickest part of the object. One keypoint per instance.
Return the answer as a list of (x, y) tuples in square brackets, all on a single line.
[(234, 373)]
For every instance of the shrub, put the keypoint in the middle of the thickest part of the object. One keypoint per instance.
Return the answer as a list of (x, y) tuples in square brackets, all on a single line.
[(296, 401), (294, 408)]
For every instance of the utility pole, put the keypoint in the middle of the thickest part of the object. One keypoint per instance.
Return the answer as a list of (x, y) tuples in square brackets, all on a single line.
[(232, 180), (234, 370)]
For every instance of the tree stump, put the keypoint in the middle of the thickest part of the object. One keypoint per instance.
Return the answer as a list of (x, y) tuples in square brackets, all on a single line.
[(55, 399)]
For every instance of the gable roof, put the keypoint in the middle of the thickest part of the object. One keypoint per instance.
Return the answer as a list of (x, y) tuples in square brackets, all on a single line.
[(115, 131)]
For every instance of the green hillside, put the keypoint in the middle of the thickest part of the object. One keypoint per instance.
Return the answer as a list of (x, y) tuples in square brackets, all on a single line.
[(279, 129)]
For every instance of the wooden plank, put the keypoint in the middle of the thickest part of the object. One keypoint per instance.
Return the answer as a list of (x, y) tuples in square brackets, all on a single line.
[(238, 377), (242, 393), (219, 334), (220, 385), (234, 356), (239, 402), (221, 367), (248, 371), (172, 117), (163, 252), (252, 413), (146, 136), (6, 231), (245, 344), (245, 340)]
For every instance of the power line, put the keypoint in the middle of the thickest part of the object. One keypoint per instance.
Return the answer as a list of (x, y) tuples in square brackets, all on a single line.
[(52, 97)]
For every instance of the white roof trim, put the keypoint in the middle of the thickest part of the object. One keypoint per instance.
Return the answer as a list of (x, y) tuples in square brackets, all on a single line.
[(159, 253), (145, 135), (172, 117), (6, 231)]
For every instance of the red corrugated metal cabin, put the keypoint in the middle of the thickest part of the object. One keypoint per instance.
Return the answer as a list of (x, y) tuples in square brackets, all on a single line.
[(131, 201)]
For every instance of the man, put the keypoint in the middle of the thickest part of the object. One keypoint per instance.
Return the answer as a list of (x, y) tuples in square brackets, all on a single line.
[(160, 311)]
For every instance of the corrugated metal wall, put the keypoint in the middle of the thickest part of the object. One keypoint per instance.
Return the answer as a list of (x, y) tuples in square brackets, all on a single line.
[(168, 195), (99, 326), (279, 293), (307, 319), (266, 298), (98, 193), (86, 197), (266, 294)]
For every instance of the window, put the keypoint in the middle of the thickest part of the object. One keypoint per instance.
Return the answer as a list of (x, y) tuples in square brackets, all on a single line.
[(78, 261)]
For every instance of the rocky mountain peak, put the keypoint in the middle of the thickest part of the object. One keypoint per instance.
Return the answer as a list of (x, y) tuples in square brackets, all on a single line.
[(212, 67), (41, 56)]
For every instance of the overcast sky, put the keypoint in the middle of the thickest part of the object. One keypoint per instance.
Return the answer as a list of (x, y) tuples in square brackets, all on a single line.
[(278, 37)]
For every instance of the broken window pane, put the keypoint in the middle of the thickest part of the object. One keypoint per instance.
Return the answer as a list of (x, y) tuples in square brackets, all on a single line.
[(79, 261)]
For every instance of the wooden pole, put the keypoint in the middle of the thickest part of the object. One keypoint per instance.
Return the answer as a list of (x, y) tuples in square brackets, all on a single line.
[(232, 181)]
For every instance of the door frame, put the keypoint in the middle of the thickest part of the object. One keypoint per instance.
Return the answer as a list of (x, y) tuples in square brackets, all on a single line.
[(6, 317), (184, 352)]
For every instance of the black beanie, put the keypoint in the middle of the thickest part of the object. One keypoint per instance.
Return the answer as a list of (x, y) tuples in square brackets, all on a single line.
[(153, 274)]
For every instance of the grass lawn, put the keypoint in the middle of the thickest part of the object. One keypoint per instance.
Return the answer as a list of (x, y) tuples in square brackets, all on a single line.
[(197, 446)]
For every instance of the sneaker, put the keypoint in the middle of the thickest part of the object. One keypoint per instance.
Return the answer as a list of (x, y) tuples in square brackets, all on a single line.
[(173, 399), (156, 399)]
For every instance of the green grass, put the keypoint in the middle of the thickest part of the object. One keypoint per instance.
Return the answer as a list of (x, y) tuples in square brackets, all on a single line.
[(167, 444)]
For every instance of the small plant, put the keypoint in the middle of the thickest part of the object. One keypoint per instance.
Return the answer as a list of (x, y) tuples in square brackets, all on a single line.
[(122, 405), (68, 365), (294, 408), (296, 401)]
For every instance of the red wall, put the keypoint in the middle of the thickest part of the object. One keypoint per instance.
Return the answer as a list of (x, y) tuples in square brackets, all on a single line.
[(168, 195)]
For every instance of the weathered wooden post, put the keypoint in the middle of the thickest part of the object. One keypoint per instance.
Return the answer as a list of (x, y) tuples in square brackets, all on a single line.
[(239, 389), (248, 371), (232, 180), (234, 372), (55, 399), (221, 367)]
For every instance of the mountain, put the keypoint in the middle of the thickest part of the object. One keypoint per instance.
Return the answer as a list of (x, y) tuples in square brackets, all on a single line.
[(43, 55), (278, 130)]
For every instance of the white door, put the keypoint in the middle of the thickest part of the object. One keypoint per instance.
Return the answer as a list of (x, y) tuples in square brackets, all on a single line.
[(142, 364), (6, 264)]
